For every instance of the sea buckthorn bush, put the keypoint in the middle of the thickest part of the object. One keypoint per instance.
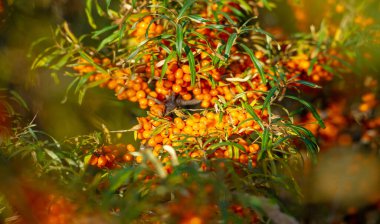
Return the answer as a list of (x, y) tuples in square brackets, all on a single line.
[(231, 111)]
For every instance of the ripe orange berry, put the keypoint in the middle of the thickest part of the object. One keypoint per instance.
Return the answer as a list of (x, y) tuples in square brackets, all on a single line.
[(187, 78), (136, 86), (127, 157), (139, 159), (159, 29), (205, 104), (143, 102), (188, 130), (254, 148), (187, 96), (179, 73), (364, 107), (158, 139), (197, 91), (176, 88), (131, 148), (186, 69), (102, 161), (152, 142), (369, 97), (93, 160)]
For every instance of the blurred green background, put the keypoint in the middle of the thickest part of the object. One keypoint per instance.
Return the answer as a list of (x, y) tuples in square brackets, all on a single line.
[(25, 21)]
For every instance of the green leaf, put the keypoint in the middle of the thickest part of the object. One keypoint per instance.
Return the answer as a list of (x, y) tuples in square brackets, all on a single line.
[(58, 65), (52, 155), (88, 11), (255, 61), (82, 81), (190, 57), (108, 3), (252, 112), (185, 7), (19, 99), (198, 18), (227, 143), (310, 108), (122, 32), (230, 42), (99, 9), (227, 17), (311, 67), (264, 142), (266, 4), (101, 31), (179, 39), (268, 98), (89, 60), (69, 88), (310, 84), (121, 177), (245, 5), (108, 40)]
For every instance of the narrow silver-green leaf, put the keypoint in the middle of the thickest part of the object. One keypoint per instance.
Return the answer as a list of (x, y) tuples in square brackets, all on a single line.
[(89, 60), (252, 112), (310, 84), (198, 18), (269, 96), (255, 61), (88, 12), (185, 7), (264, 142), (179, 39), (230, 42), (190, 57), (310, 108)]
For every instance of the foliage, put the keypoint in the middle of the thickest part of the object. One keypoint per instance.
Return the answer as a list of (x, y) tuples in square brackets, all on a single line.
[(230, 113)]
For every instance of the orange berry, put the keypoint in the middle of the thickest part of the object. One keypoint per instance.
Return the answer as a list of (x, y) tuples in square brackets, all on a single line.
[(131, 148), (136, 86), (112, 84), (187, 78), (153, 94), (158, 139), (93, 160), (187, 96), (151, 142), (213, 92), (210, 116), (127, 157), (176, 88), (197, 91), (369, 97), (139, 159), (179, 74), (151, 103), (143, 102), (205, 104), (146, 134), (364, 107), (177, 120), (102, 161), (159, 29), (186, 69), (188, 130)]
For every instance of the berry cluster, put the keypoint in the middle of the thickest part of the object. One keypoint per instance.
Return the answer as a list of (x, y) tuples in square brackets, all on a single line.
[(185, 133), (318, 72), (112, 156)]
